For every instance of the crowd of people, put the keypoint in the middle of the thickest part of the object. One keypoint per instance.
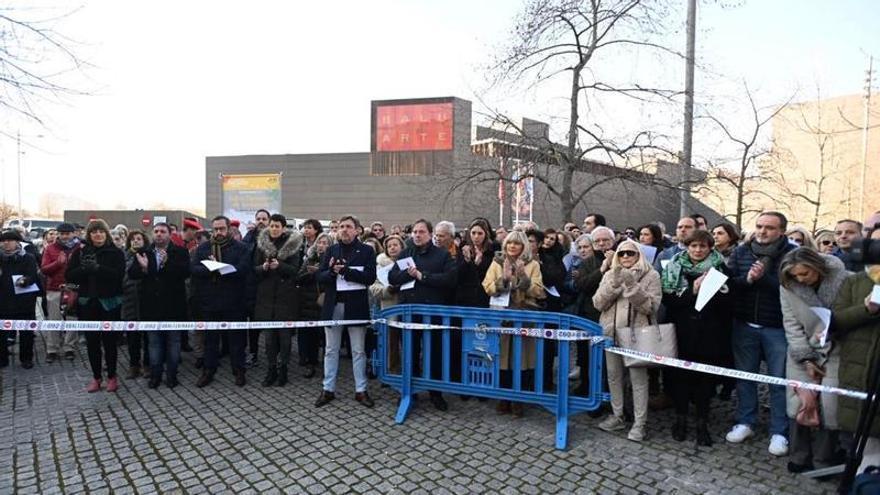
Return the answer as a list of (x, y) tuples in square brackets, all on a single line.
[(780, 280)]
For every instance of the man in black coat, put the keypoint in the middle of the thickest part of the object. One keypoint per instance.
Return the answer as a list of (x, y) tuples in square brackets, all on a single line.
[(18, 270), (221, 297), (163, 269), (435, 276), (347, 270)]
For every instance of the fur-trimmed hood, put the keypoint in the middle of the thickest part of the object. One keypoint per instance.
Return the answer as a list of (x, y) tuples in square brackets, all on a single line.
[(828, 288), (291, 245)]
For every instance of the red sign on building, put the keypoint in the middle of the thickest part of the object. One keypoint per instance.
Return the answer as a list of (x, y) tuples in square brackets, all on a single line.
[(424, 127)]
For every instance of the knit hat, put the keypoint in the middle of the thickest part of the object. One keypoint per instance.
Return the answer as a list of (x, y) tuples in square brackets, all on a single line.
[(10, 235)]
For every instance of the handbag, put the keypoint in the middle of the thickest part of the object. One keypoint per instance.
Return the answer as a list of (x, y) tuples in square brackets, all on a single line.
[(653, 339)]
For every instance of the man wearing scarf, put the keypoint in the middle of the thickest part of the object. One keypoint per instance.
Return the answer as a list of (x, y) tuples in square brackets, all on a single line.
[(757, 330), (18, 269), (221, 297), (54, 264)]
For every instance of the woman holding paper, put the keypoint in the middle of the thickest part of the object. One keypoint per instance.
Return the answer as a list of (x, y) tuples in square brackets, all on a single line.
[(699, 303), (514, 278), (98, 269), (18, 295), (388, 295), (628, 296), (810, 284), (310, 301)]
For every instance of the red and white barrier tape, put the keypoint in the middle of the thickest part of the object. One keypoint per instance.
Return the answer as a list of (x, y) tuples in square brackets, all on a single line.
[(740, 375)]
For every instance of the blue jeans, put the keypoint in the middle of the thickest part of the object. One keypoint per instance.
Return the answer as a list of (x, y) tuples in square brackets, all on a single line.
[(331, 353), (164, 353), (750, 345)]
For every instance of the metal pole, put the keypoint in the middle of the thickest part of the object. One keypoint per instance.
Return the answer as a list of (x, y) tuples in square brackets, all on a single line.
[(687, 145), (18, 160), (868, 80)]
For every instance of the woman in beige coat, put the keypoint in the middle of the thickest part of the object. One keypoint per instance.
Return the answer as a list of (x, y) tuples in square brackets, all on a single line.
[(389, 295), (810, 280), (628, 296), (514, 272)]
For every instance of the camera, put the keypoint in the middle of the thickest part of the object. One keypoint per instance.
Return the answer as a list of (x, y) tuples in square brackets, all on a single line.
[(867, 251)]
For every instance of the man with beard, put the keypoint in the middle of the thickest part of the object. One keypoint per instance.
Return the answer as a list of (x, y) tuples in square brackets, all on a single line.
[(221, 297), (163, 270), (54, 264), (757, 330)]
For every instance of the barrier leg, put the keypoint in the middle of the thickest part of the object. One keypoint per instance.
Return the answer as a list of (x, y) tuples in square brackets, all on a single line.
[(562, 395), (406, 378)]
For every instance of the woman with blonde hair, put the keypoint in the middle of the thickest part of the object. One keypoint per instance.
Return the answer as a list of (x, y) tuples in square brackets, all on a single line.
[(801, 237), (628, 296), (825, 242), (514, 271)]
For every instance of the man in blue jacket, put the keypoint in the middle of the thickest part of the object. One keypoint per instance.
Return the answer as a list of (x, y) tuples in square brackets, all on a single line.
[(435, 276), (221, 297), (757, 329), (346, 272)]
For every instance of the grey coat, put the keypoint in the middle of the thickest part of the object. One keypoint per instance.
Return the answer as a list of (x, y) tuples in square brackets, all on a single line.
[(802, 328)]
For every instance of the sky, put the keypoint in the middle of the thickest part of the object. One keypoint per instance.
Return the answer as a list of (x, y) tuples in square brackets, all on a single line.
[(173, 82)]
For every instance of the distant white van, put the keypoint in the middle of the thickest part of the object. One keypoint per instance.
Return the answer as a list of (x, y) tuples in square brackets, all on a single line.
[(32, 223)]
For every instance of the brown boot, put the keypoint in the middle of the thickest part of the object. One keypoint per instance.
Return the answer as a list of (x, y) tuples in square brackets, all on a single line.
[(134, 372)]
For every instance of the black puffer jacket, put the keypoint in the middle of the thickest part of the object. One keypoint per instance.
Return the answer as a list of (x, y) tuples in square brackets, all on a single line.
[(21, 305), (101, 280), (470, 280), (757, 302), (553, 274), (439, 275)]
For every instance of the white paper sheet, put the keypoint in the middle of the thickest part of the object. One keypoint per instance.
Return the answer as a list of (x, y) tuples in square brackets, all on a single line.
[(663, 263), (382, 274), (875, 295), (501, 300), (649, 252), (824, 314), (23, 290), (343, 285), (711, 285), (405, 263), (216, 266), (552, 291)]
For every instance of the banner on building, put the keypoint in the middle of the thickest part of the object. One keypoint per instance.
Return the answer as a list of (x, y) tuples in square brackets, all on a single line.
[(523, 192), (242, 195)]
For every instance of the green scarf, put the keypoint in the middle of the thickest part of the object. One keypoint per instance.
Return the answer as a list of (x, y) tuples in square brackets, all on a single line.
[(681, 264)]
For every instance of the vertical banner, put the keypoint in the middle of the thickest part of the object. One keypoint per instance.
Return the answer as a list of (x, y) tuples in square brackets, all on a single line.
[(524, 192), (500, 192), (243, 195)]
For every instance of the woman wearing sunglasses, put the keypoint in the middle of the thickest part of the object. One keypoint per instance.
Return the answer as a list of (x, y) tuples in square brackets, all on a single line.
[(825, 242), (628, 296), (702, 336)]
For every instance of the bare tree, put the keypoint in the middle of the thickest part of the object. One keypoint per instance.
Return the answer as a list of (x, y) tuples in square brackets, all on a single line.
[(564, 39), (36, 61), (739, 175)]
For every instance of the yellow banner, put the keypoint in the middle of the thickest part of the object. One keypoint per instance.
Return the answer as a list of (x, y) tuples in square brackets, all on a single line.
[(255, 182)]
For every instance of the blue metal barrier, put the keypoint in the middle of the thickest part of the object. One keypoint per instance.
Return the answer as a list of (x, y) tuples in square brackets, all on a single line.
[(480, 358)]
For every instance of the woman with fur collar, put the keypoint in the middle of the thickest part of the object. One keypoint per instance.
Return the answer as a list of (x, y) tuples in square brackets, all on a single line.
[(628, 296), (277, 260), (516, 271), (810, 280)]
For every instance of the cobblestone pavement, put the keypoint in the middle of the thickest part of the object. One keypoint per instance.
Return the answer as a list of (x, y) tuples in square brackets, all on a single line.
[(56, 438)]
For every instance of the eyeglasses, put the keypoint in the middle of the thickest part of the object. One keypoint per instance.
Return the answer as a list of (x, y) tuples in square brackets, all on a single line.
[(827, 242), (627, 254)]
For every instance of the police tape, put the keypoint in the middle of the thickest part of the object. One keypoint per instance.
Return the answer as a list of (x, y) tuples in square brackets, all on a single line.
[(740, 375), (546, 333), (155, 326)]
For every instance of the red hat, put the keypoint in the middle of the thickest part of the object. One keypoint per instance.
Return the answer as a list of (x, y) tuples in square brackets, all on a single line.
[(191, 223), (234, 223)]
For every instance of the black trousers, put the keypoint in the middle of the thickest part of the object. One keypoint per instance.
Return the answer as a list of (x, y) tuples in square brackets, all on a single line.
[(138, 349), (97, 340), (691, 385), (307, 341), (25, 345)]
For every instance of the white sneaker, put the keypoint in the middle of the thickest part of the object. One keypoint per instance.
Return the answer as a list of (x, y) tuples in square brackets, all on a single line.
[(612, 423), (636, 433), (739, 433), (778, 445)]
